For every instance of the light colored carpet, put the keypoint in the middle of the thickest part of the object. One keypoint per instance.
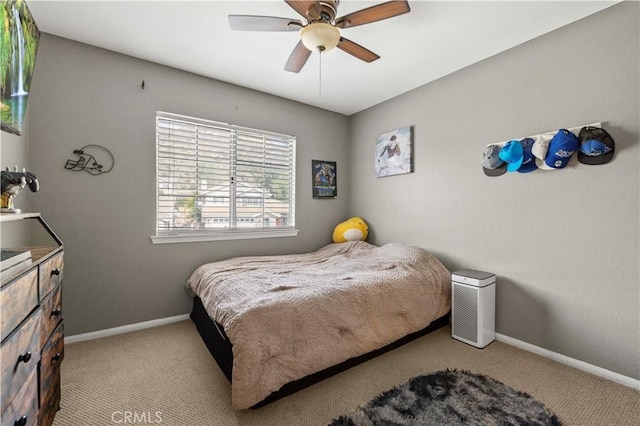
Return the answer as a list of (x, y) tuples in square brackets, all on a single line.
[(166, 376)]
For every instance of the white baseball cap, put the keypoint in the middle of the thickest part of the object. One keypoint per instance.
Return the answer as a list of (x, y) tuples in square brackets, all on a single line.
[(541, 146), (540, 149)]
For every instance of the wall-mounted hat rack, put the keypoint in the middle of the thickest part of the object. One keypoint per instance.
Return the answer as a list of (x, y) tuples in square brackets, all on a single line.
[(574, 130), (550, 150)]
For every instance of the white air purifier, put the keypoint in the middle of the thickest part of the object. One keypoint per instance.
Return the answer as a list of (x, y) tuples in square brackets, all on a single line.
[(473, 295)]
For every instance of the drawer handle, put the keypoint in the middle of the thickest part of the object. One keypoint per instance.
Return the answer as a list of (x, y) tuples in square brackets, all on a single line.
[(56, 357), (24, 358), (22, 421), (56, 312), (55, 272)]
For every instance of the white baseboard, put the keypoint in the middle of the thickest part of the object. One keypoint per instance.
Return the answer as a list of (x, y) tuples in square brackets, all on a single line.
[(562, 359), (572, 362), (124, 329)]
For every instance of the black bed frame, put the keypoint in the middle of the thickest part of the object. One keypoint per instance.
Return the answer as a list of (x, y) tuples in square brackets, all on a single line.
[(220, 347)]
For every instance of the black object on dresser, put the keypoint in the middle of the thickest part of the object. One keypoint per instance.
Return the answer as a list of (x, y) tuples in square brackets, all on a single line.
[(31, 326)]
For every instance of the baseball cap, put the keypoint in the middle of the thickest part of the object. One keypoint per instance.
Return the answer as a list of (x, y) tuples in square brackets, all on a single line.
[(596, 146), (528, 160), (512, 154), (491, 162), (561, 148), (541, 146)]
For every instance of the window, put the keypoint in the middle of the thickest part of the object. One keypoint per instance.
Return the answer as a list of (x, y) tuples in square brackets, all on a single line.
[(218, 181)]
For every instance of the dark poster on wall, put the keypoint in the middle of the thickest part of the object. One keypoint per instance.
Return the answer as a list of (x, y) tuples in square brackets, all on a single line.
[(324, 176)]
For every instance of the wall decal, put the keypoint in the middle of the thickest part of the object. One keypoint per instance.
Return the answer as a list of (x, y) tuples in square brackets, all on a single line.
[(94, 159)]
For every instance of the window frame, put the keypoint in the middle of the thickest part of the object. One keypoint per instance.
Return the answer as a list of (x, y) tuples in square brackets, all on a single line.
[(222, 234)]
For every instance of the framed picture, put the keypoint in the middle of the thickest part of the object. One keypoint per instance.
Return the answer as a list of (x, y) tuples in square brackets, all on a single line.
[(324, 176), (19, 45), (393, 153)]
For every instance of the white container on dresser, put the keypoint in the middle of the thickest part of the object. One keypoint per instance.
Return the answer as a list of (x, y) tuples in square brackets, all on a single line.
[(31, 326)]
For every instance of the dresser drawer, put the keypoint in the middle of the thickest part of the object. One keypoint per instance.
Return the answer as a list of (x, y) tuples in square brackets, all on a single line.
[(53, 353), (19, 356), (51, 314), (52, 356), (17, 299), (23, 409), (50, 274), (50, 403), (50, 400)]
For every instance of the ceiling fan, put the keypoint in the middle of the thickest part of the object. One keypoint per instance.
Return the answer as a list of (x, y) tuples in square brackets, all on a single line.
[(320, 29)]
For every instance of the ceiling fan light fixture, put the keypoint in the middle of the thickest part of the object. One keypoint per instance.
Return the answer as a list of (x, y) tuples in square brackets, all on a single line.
[(320, 36)]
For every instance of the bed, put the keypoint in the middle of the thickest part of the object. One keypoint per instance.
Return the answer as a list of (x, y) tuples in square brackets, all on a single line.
[(276, 324)]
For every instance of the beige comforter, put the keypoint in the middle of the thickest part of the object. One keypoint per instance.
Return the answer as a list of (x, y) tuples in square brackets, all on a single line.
[(291, 316)]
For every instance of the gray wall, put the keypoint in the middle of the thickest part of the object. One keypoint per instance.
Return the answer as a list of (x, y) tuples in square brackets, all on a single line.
[(14, 152), (114, 275), (563, 243)]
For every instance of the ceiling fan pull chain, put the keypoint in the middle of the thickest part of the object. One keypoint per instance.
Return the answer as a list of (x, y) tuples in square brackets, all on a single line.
[(320, 74)]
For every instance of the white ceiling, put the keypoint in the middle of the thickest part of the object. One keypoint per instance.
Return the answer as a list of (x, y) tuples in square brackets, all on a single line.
[(433, 40)]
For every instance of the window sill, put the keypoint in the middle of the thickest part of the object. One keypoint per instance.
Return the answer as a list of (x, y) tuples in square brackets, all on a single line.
[(226, 236)]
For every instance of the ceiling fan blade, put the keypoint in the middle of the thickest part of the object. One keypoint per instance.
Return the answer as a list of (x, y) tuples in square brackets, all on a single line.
[(373, 14), (308, 9), (356, 50), (298, 58), (263, 23)]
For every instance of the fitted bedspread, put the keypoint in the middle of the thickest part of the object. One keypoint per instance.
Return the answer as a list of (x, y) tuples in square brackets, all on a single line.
[(293, 315)]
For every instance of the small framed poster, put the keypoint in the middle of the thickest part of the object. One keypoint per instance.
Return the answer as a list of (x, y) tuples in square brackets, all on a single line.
[(324, 176), (393, 153)]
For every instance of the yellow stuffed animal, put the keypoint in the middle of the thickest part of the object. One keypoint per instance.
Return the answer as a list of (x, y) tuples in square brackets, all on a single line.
[(353, 229)]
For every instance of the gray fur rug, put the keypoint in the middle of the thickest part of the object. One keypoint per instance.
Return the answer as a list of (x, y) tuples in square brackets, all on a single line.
[(450, 397)]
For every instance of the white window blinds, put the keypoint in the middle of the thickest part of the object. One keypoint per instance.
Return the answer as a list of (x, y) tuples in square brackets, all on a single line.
[(218, 179)]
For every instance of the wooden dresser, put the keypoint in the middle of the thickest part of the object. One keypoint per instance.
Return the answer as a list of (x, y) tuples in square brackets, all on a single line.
[(31, 326)]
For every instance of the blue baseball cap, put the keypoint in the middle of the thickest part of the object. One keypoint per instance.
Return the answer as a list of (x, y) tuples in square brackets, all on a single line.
[(561, 147), (528, 160), (512, 154)]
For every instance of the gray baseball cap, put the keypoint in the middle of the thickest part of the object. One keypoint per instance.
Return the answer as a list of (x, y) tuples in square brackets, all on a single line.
[(491, 162)]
